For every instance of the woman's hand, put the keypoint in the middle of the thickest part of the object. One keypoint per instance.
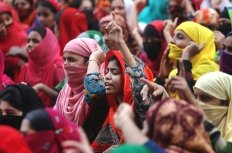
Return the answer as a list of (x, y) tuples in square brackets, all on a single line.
[(114, 32), (38, 87), (98, 56), (165, 66), (219, 39), (81, 146), (157, 91), (179, 84), (123, 114), (191, 50)]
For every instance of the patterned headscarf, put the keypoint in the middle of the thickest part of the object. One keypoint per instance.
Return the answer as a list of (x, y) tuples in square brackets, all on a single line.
[(178, 123)]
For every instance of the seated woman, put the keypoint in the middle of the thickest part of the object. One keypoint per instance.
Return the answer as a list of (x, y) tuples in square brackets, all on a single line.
[(15, 102), (70, 101), (226, 55), (46, 129), (25, 10), (115, 89), (44, 68), (154, 44), (194, 44), (13, 37), (46, 10), (213, 92)]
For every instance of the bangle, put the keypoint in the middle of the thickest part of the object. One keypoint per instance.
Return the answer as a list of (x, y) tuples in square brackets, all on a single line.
[(93, 60)]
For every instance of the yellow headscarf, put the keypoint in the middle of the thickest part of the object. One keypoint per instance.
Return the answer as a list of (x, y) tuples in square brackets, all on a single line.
[(218, 85), (204, 61)]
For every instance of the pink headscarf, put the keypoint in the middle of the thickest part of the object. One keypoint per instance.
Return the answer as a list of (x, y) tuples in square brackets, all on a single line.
[(70, 101), (4, 79), (44, 65)]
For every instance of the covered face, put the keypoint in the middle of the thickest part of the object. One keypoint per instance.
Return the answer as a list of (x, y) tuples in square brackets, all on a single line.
[(45, 130), (15, 102)]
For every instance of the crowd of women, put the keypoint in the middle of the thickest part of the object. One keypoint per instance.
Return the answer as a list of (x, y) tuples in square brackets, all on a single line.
[(116, 76)]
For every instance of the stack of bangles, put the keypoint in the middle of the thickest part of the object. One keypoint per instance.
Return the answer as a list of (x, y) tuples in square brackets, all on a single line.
[(93, 60)]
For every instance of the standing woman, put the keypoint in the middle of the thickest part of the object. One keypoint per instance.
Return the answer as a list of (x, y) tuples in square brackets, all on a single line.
[(70, 101), (44, 69)]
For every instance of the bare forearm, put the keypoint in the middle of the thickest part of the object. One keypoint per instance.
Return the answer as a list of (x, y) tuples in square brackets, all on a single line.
[(128, 57), (49, 91), (132, 134)]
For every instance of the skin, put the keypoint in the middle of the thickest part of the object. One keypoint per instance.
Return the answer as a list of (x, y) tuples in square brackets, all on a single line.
[(45, 16), (113, 78), (180, 39), (22, 5), (74, 59), (206, 98), (26, 127), (117, 6), (227, 45), (33, 40), (6, 18), (3, 31), (7, 109), (86, 5)]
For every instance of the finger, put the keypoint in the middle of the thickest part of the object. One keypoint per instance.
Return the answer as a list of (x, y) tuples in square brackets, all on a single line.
[(181, 69), (148, 82), (144, 92), (175, 21), (71, 143), (201, 46), (113, 15), (83, 136), (168, 82)]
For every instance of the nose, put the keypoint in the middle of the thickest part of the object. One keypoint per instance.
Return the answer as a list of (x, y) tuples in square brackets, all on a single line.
[(41, 19), (108, 76)]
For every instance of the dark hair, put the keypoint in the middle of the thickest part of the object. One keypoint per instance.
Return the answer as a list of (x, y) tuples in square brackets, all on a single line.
[(75, 3), (22, 97), (47, 4), (41, 30), (31, 2), (113, 58), (40, 120)]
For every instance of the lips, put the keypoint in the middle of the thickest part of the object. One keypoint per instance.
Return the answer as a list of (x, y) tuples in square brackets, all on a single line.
[(107, 85)]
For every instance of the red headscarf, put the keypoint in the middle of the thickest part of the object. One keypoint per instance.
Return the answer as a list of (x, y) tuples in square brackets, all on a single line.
[(115, 134), (72, 23), (12, 141), (4, 79), (16, 36), (70, 101), (44, 65), (50, 140), (155, 64)]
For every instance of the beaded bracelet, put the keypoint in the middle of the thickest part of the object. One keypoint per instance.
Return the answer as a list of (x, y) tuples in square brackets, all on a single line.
[(93, 60)]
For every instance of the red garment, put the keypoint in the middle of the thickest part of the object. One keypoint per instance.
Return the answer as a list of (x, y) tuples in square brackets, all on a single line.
[(155, 64), (49, 141), (12, 141), (116, 135), (45, 65), (72, 23), (16, 36), (30, 20), (4, 79)]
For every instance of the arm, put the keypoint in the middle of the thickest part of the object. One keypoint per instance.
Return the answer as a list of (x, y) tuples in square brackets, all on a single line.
[(47, 90)]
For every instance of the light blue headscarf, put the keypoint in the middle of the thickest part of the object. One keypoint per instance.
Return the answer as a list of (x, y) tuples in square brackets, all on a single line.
[(155, 10)]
